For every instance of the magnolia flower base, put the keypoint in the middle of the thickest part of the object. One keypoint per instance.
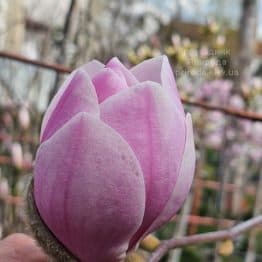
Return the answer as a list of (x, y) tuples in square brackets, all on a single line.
[(46, 239), (43, 235)]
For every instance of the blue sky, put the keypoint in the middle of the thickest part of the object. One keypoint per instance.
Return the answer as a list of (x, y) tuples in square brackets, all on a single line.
[(260, 19), (200, 10)]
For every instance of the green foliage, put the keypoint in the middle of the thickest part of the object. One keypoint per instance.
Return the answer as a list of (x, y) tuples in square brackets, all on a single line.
[(259, 243), (191, 254), (166, 231)]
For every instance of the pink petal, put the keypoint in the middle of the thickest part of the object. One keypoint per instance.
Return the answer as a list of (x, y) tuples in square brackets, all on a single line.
[(89, 189), (76, 95), (184, 181), (148, 119), (158, 70), (92, 68), (108, 83), (121, 70)]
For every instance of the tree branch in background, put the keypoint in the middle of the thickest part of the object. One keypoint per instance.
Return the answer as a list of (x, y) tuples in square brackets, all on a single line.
[(230, 233), (62, 46), (181, 227), (225, 110), (208, 106), (247, 43), (247, 40), (251, 250), (7, 88)]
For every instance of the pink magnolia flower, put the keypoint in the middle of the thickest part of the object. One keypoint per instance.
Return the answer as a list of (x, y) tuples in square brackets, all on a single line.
[(116, 159)]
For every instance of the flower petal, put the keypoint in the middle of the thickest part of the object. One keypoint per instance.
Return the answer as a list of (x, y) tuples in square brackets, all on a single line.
[(120, 69), (107, 83), (158, 70), (184, 180), (89, 189), (93, 67), (76, 95), (148, 119)]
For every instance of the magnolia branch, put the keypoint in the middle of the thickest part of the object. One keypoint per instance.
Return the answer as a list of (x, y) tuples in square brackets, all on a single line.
[(230, 233)]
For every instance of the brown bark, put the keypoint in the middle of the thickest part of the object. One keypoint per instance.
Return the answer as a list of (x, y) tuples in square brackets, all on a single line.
[(247, 43), (247, 34)]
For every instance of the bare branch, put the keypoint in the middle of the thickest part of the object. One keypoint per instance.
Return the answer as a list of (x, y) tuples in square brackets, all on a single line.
[(33, 62), (226, 110), (230, 233)]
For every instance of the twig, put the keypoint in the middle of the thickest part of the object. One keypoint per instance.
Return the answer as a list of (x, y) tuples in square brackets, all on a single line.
[(205, 221), (181, 227), (33, 62), (226, 110), (62, 46), (214, 185), (230, 233)]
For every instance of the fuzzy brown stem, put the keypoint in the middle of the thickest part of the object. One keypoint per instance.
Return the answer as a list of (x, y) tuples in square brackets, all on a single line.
[(46, 239)]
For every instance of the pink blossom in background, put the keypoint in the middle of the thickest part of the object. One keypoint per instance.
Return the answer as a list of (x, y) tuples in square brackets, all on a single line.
[(216, 91), (230, 133), (7, 120), (24, 117), (4, 188), (17, 154), (176, 40), (28, 158), (237, 101), (214, 140), (257, 133), (116, 159)]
